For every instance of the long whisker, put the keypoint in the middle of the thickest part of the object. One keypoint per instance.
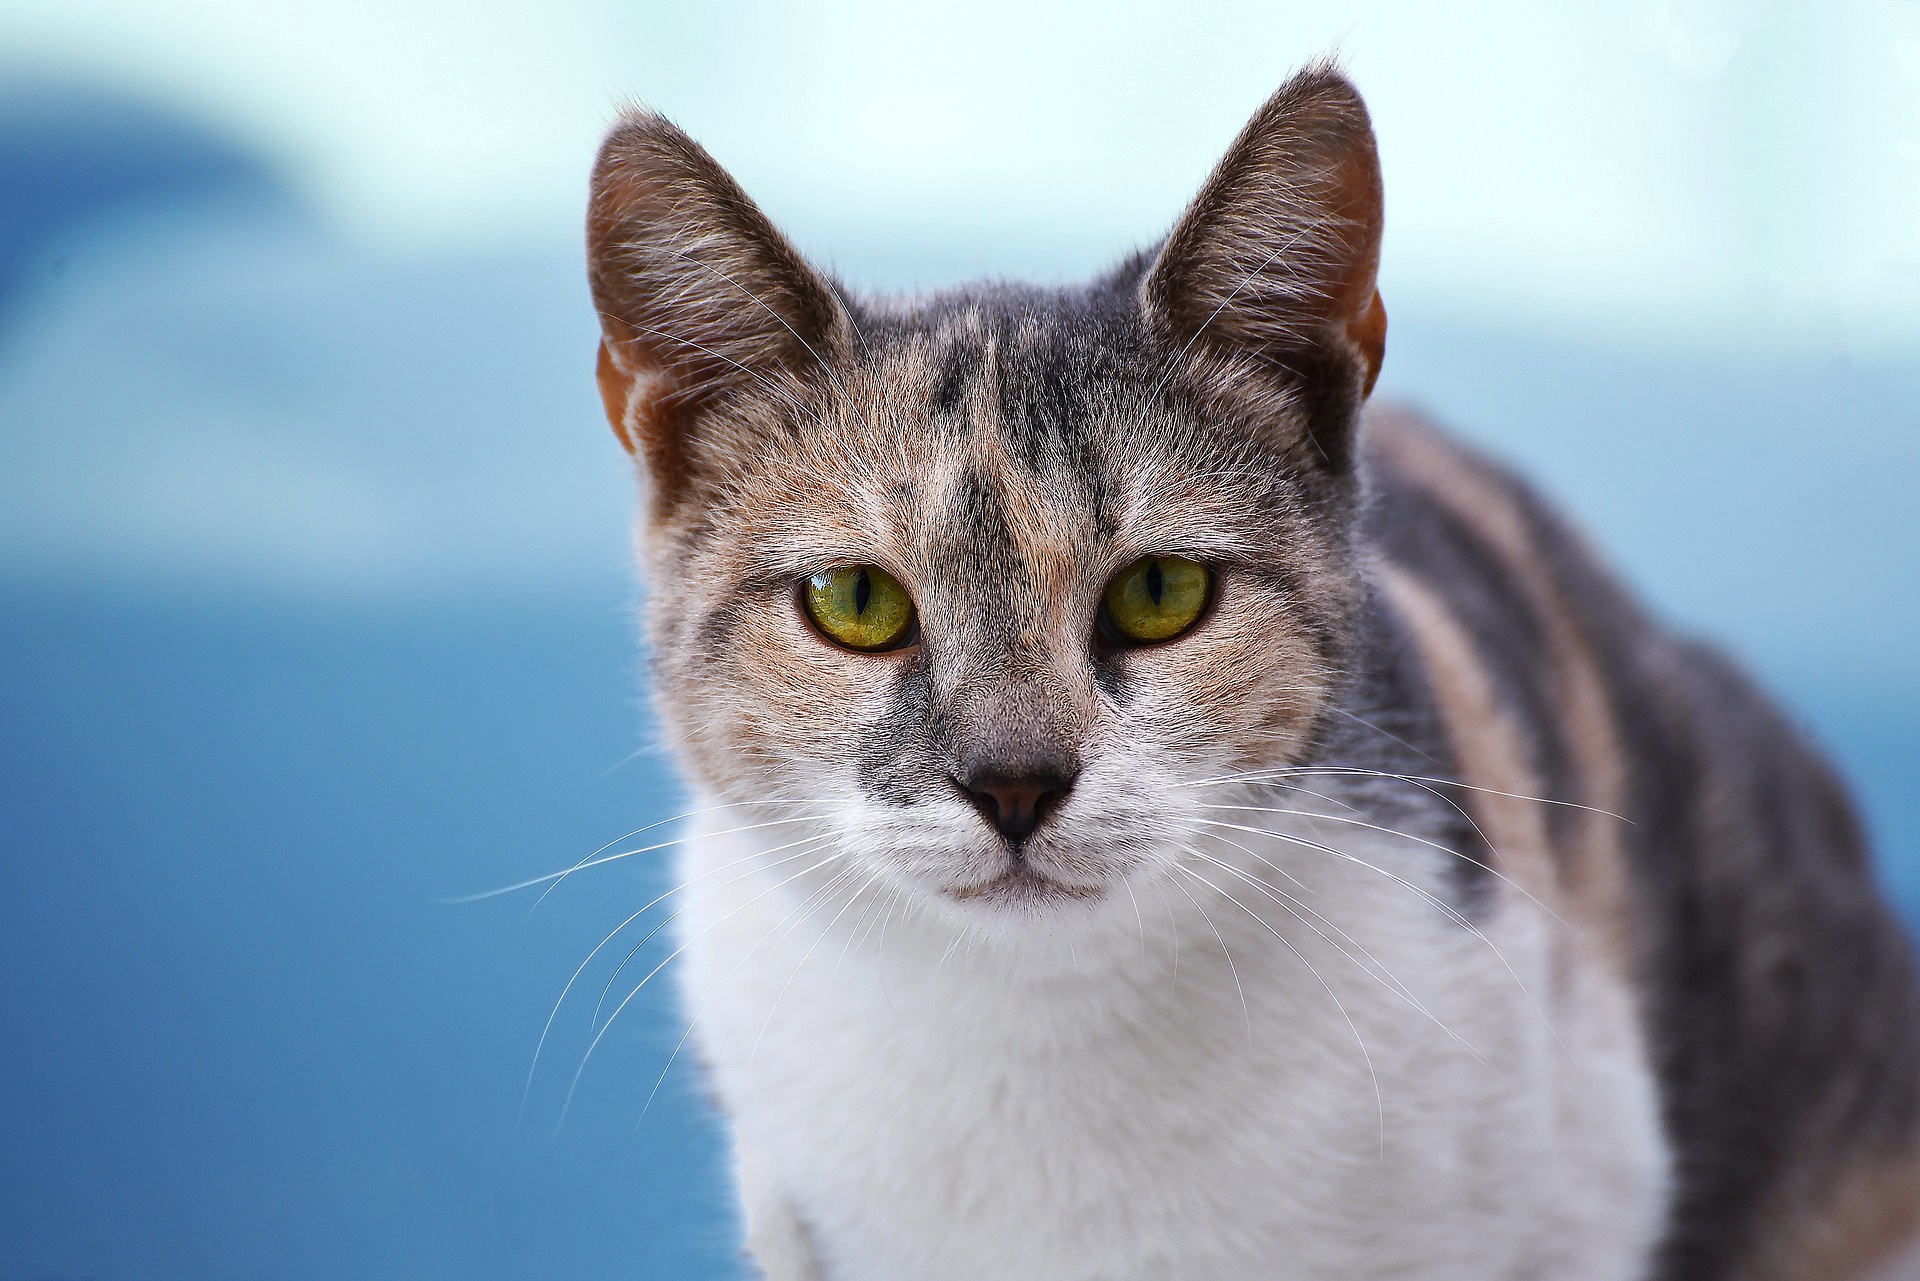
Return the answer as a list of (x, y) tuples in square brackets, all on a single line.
[(574, 1085), (804, 957), (733, 831), (860, 928), (1355, 771), (1372, 963), (1431, 898), (1409, 836), (1379, 1100), (595, 859), (1458, 917), (1231, 967), (806, 845), (694, 1022), (1127, 883), (1295, 907), (1438, 794), (1422, 892), (547, 1028)]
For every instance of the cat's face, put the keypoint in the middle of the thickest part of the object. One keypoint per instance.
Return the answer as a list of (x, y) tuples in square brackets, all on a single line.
[(990, 584), (1003, 473)]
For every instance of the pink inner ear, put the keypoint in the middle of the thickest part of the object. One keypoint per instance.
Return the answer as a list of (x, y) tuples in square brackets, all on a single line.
[(615, 390), (646, 417), (1368, 333)]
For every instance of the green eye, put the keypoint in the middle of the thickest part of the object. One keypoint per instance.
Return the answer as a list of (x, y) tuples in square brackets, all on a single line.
[(1157, 597), (860, 606)]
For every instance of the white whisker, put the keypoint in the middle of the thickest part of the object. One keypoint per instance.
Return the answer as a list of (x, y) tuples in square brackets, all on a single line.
[(594, 859), (1379, 1100), (1224, 951), (574, 1085), (547, 1028), (1422, 892)]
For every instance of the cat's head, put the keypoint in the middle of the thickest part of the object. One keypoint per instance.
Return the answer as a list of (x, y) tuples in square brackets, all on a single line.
[(990, 581)]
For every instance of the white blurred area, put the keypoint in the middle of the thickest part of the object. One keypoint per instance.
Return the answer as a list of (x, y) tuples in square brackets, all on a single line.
[(1643, 171)]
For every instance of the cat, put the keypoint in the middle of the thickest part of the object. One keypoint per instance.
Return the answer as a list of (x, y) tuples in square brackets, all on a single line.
[(1159, 817)]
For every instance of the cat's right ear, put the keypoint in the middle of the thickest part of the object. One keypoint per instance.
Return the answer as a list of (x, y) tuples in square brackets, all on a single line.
[(701, 299)]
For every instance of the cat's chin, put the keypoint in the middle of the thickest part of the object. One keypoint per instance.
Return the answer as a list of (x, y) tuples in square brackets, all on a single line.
[(1021, 887)]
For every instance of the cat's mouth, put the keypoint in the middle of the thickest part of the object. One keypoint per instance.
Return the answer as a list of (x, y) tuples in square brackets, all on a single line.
[(1021, 884)]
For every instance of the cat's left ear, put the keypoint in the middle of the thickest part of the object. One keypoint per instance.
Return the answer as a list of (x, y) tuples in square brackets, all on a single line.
[(1267, 284)]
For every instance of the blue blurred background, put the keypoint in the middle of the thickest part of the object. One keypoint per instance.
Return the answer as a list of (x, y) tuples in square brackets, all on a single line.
[(314, 607)]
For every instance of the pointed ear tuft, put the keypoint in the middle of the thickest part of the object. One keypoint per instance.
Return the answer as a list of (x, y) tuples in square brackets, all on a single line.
[(1272, 268), (700, 298)]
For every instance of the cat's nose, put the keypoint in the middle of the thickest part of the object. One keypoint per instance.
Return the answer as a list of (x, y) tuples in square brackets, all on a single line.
[(1016, 803)]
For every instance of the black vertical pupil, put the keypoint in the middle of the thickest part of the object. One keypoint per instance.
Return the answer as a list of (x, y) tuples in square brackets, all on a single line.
[(1155, 584), (863, 592)]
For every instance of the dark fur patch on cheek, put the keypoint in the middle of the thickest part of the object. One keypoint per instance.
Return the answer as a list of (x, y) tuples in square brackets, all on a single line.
[(896, 763), (1110, 675)]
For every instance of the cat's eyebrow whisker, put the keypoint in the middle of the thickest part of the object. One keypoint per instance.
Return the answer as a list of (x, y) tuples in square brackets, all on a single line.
[(1389, 735), (1379, 1100), (547, 1028), (825, 367), (1173, 366), (782, 394), (574, 1085)]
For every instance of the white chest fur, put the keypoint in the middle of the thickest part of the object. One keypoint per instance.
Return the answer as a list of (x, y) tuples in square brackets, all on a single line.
[(1364, 1089)]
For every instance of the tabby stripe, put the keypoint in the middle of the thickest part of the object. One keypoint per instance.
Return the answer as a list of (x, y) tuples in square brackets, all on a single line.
[(1490, 750), (1593, 867)]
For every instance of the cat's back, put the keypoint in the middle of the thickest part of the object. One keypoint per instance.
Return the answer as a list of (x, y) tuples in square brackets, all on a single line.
[(1776, 992)]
